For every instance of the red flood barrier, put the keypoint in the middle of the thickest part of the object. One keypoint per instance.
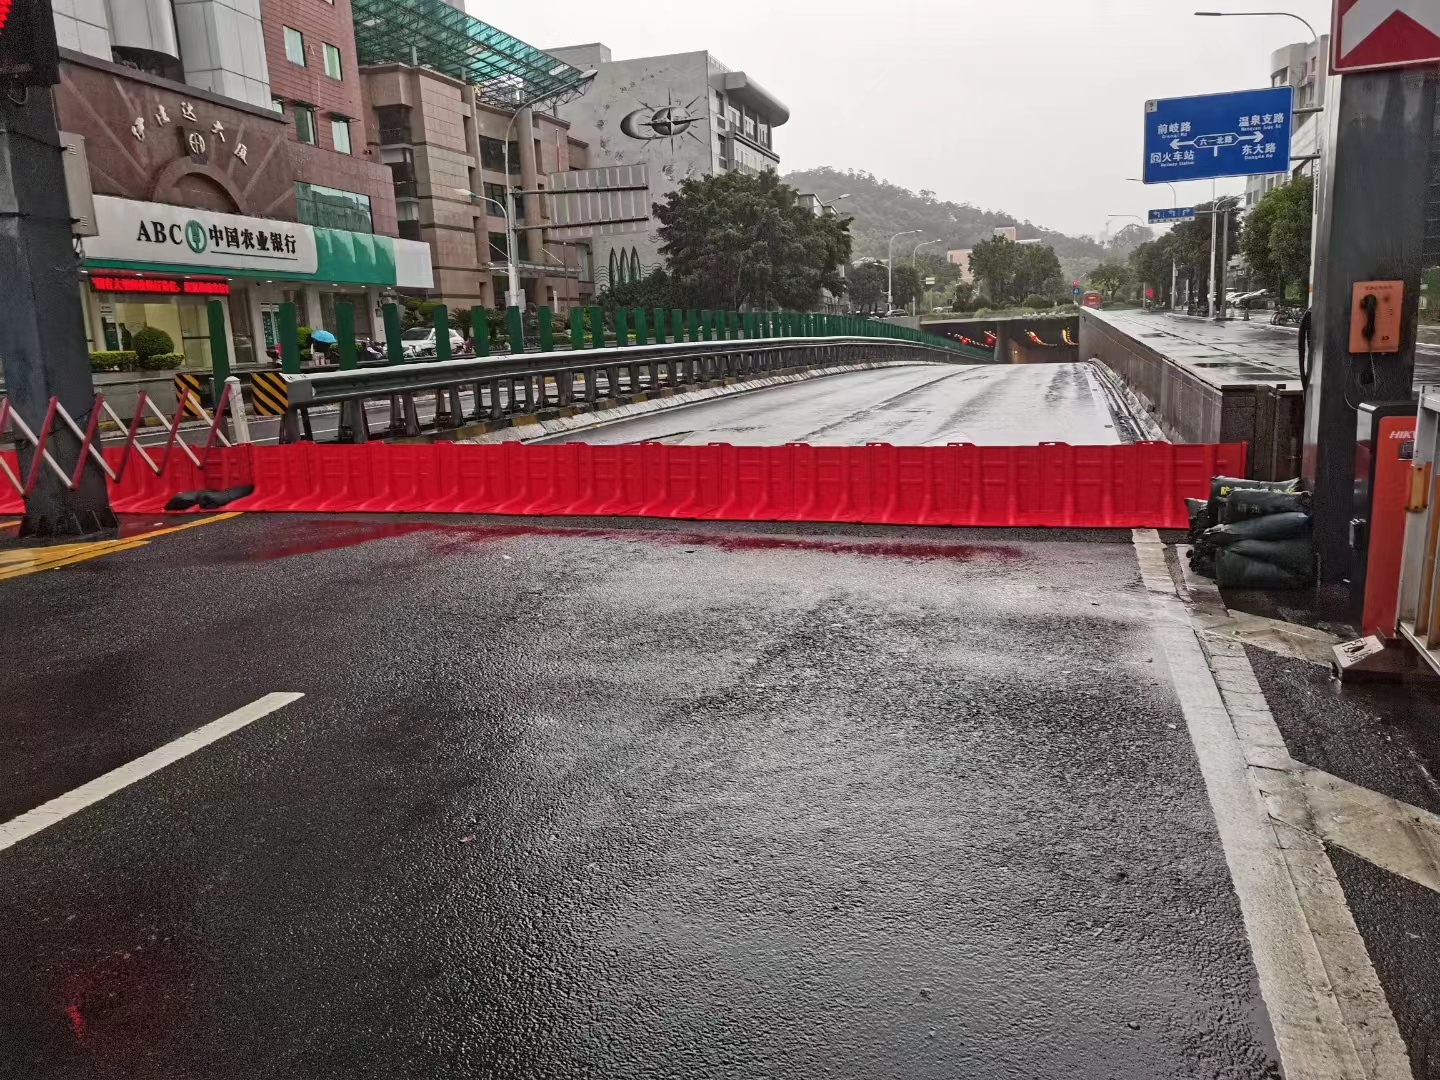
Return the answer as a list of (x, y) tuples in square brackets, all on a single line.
[(1141, 485)]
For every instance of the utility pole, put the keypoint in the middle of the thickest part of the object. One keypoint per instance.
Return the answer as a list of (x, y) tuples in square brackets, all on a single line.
[(1372, 228), (42, 331)]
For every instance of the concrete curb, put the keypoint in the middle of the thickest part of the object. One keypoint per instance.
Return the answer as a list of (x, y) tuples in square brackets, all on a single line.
[(535, 429)]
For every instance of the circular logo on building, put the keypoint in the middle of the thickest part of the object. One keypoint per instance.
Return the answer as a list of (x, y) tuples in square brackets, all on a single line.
[(195, 237), (669, 121)]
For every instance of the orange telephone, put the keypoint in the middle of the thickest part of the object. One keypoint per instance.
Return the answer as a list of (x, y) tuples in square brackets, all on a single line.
[(1375, 316)]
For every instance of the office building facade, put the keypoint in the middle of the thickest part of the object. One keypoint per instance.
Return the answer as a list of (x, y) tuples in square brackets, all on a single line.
[(203, 190), (682, 116), (1304, 67)]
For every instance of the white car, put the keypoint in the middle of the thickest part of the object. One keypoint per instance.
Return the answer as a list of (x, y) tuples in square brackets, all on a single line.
[(420, 341)]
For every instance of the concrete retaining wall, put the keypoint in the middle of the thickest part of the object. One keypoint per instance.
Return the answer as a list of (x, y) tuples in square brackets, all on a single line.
[(1193, 409)]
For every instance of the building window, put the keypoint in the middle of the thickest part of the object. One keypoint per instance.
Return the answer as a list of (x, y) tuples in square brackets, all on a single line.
[(278, 104), (332, 61), (331, 208), (305, 124), (340, 135), (763, 134), (492, 155), (497, 247), (495, 196), (294, 46), (749, 127)]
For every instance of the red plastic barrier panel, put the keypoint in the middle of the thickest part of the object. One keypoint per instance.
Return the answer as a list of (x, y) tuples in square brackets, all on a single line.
[(1141, 485)]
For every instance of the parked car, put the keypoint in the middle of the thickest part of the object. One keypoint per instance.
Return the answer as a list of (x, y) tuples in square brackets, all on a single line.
[(420, 341)]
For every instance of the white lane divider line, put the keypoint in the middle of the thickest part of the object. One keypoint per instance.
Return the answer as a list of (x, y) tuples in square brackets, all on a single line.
[(72, 802), (1327, 1008)]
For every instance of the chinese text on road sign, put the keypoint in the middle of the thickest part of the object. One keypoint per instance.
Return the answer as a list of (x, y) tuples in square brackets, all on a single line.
[(1176, 213), (1369, 34), (1198, 138)]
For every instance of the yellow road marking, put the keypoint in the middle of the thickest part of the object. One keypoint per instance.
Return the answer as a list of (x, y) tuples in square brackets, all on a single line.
[(32, 560)]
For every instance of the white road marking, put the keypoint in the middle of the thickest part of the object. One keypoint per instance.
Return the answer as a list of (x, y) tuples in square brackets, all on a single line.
[(60, 808), (1327, 1009)]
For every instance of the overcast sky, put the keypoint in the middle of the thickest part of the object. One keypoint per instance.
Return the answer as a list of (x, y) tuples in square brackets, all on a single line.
[(1033, 107)]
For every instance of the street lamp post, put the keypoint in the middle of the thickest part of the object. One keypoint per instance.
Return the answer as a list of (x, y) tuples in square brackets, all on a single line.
[(831, 204), (513, 294), (890, 268), (916, 251), (1174, 202), (1319, 135)]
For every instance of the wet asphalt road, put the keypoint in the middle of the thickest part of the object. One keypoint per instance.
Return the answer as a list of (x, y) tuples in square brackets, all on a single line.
[(627, 800), (920, 405)]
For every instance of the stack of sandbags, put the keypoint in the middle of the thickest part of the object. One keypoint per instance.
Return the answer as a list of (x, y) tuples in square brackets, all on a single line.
[(1253, 534)]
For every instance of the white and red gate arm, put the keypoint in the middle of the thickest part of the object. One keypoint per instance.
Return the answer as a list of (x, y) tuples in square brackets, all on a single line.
[(1366, 35)]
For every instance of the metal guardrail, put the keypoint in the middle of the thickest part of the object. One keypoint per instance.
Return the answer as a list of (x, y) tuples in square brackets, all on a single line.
[(527, 383), (1419, 598)]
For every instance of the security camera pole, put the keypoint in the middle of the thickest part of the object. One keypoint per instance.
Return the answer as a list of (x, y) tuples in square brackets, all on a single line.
[(42, 328)]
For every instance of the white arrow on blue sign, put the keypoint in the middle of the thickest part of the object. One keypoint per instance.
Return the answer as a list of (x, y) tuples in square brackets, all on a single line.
[(1198, 138), (1173, 213)]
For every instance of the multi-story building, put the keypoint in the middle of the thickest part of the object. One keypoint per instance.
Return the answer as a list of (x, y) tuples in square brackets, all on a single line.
[(961, 257), (684, 115), (203, 190), (443, 118), (1303, 66)]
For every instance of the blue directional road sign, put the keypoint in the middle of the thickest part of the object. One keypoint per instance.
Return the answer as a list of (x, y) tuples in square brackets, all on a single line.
[(1174, 213), (1239, 134)]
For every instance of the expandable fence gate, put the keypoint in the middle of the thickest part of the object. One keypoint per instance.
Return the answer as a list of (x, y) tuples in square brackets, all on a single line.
[(113, 462)]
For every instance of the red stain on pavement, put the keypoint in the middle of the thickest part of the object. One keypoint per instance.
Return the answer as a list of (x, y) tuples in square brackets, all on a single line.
[(77, 1024), (314, 536)]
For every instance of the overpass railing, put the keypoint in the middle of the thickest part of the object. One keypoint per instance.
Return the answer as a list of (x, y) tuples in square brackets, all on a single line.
[(504, 387)]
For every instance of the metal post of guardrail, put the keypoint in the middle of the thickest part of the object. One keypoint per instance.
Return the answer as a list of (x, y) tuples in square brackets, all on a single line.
[(352, 426), (658, 315), (515, 329), (733, 319), (707, 324), (597, 328), (390, 318), (547, 330), (622, 328), (219, 348), (236, 400), (642, 331), (480, 330), (290, 365), (577, 328)]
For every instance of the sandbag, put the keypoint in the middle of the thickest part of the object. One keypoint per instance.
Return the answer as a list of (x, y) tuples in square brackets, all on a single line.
[(1293, 556), (1244, 503), (1234, 570), (1288, 526), (1220, 486), (1199, 512)]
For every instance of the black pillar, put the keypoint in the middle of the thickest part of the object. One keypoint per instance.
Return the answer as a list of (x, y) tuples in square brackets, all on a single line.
[(1372, 228), (42, 329)]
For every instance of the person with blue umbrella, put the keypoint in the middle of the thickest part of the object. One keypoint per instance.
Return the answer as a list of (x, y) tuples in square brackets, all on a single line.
[(320, 343)]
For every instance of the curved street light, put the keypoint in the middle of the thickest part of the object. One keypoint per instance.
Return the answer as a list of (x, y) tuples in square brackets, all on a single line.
[(890, 268), (1314, 38)]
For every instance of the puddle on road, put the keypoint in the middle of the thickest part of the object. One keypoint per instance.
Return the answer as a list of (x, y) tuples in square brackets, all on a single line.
[(321, 535)]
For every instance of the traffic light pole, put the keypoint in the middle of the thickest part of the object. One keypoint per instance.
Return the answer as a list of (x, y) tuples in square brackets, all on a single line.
[(43, 351), (1372, 228)]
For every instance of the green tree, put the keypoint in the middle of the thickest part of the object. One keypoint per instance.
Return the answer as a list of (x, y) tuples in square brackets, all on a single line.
[(995, 263), (1110, 277), (866, 285), (1150, 264), (1276, 238), (906, 286), (736, 240), (1009, 270)]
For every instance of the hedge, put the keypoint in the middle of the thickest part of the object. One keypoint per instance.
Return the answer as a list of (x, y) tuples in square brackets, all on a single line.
[(126, 360)]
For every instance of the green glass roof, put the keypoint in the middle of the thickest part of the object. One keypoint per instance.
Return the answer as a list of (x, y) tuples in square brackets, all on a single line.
[(430, 33)]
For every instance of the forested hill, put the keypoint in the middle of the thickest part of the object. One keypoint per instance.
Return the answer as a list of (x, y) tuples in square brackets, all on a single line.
[(881, 209)]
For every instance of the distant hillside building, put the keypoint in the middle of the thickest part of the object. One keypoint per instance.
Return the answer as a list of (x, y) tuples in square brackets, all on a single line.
[(961, 257)]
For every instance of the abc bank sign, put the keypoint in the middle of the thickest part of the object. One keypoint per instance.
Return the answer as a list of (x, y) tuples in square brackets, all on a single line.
[(142, 235)]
